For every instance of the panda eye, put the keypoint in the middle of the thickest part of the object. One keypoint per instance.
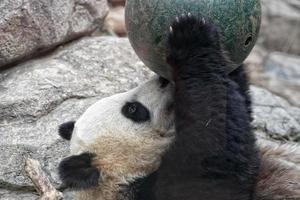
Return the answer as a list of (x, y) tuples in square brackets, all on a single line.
[(132, 108), (136, 111)]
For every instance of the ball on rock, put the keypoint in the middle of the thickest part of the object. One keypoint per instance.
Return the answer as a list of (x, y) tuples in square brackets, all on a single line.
[(148, 23)]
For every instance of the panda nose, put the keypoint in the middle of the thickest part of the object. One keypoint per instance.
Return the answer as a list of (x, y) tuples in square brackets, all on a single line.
[(163, 82)]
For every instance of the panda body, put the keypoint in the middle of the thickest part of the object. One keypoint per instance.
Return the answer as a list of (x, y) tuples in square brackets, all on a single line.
[(155, 143)]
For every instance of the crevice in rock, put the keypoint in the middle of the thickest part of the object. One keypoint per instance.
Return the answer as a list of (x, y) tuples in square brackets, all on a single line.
[(46, 111), (58, 103), (41, 53), (17, 188), (293, 135), (269, 106)]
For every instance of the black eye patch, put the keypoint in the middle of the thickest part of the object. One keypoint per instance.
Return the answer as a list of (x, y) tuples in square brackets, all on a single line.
[(136, 112), (163, 82)]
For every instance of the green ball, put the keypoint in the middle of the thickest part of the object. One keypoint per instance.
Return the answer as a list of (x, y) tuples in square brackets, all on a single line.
[(148, 23)]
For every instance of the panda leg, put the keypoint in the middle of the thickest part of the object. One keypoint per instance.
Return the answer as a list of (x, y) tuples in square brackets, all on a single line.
[(214, 156)]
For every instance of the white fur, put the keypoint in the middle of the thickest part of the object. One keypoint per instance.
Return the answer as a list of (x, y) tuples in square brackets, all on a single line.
[(124, 149)]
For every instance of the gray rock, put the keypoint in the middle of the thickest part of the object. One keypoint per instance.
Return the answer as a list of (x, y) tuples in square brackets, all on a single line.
[(280, 73), (28, 27), (9, 195), (280, 25), (40, 94), (274, 117)]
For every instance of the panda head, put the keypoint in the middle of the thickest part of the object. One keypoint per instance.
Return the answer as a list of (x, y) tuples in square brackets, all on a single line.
[(120, 138)]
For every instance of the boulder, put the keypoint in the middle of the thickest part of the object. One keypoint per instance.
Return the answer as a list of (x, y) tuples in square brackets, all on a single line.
[(280, 73), (115, 21), (9, 195), (29, 27), (274, 117), (40, 94), (279, 30)]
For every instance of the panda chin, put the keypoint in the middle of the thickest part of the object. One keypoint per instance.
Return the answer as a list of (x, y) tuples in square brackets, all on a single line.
[(169, 133)]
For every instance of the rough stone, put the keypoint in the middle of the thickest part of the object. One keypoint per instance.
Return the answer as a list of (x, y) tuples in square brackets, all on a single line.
[(280, 73), (40, 94), (115, 21), (279, 30), (29, 27), (275, 117), (9, 195)]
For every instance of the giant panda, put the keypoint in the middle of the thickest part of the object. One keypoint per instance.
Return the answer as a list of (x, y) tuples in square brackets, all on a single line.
[(119, 140), (190, 139)]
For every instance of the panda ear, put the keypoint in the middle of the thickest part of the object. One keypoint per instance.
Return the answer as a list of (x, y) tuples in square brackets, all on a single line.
[(77, 172), (65, 130)]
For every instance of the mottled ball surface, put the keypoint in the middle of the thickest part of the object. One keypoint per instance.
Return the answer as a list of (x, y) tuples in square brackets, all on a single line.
[(148, 23)]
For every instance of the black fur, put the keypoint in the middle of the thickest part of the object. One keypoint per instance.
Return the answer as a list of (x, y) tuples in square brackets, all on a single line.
[(214, 156), (65, 130), (77, 172), (140, 189), (163, 82), (240, 77), (136, 111)]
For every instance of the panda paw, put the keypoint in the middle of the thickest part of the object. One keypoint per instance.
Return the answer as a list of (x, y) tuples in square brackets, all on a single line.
[(77, 172), (190, 35)]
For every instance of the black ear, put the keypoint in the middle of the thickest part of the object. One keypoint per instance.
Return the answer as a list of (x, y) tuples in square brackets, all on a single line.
[(65, 130), (77, 172)]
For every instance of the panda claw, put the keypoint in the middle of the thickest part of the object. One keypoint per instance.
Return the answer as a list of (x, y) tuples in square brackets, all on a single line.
[(171, 30), (188, 33)]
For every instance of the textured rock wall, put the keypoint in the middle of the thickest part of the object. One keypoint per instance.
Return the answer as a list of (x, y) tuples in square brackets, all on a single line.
[(280, 25), (275, 62), (28, 27)]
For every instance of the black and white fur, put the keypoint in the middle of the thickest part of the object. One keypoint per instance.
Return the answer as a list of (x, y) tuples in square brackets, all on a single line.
[(214, 155), (123, 137), (125, 146)]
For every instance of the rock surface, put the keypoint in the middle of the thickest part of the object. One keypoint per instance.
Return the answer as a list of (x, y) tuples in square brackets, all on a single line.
[(38, 95), (274, 117), (279, 73), (9, 195), (279, 21), (28, 27), (115, 19)]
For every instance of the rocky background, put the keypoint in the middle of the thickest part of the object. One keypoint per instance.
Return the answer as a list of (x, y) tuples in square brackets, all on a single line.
[(58, 57)]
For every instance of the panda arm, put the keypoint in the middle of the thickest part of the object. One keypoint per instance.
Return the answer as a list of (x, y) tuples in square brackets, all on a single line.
[(240, 77), (214, 155)]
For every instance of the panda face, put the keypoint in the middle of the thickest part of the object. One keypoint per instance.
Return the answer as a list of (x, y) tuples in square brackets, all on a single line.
[(125, 135)]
